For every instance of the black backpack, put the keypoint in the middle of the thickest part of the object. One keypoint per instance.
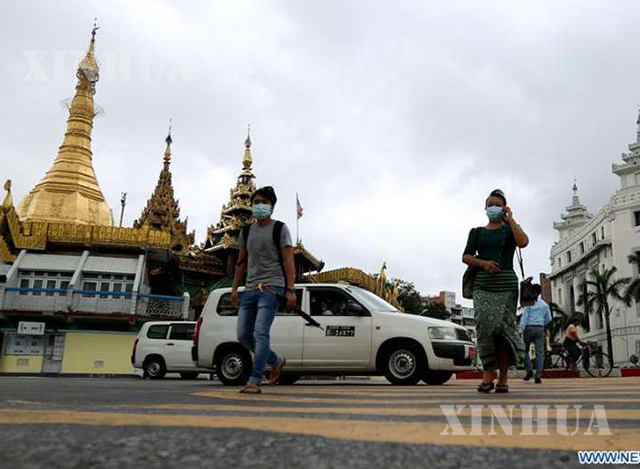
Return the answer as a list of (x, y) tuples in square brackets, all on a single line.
[(277, 231)]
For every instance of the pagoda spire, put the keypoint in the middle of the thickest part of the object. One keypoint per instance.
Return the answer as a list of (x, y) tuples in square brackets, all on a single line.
[(247, 159), (69, 191), (162, 211)]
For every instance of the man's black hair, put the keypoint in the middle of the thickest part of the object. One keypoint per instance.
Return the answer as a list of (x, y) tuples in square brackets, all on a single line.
[(575, 321), (499, 194), (268, 193), (537, 289)]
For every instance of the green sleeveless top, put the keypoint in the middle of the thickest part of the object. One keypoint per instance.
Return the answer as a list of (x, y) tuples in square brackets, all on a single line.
[(494, 245)]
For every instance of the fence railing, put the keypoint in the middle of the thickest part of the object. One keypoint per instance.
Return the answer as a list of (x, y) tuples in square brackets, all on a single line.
[(94, 302)]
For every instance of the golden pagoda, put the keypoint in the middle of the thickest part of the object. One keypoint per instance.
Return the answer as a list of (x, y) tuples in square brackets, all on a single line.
[(69, 191), (162, 211)]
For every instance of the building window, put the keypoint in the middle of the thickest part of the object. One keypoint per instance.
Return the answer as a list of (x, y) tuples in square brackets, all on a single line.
[(636, 216), (31, 280), (602, 232), (51, 285), (88, 287), (24, 283), (111, 285), (37, 284), (569, 257), (594, 239), (582, 247), (559, 262)]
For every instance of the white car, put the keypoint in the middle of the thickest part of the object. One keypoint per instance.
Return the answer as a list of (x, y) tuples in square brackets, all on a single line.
[(165, 347), (360, 334)]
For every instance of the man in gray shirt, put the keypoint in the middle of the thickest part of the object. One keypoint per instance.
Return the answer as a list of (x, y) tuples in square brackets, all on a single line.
[(266, 257)]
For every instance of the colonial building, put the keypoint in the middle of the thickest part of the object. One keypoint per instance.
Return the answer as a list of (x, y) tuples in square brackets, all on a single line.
[(602, 240)]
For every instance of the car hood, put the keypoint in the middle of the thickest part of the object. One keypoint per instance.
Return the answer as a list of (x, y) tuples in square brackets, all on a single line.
[(427, 321)]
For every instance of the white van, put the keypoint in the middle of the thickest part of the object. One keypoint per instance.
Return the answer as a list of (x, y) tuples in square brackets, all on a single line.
[(360, 334), (165, 347)]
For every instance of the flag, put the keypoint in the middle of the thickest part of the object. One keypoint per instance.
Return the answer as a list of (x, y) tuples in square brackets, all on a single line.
[(299, 208)]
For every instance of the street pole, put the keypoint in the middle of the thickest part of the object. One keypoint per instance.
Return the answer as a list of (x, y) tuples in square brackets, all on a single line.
[(123, 203)]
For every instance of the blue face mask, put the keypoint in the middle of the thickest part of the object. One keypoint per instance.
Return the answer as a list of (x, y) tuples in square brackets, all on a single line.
[(494, 213), (261, 211)]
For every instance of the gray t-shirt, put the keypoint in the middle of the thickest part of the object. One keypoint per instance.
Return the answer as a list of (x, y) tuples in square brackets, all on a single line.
[(264, 262)]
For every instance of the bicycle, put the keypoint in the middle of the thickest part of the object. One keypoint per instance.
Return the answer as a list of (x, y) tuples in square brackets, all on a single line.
[(594, 362)]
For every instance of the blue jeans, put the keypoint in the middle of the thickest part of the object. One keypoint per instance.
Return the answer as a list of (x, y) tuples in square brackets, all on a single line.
[(257, 312), (534, 334)]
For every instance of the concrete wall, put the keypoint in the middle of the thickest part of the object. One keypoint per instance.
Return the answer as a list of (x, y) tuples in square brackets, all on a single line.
[(20, 363), (98, 352)]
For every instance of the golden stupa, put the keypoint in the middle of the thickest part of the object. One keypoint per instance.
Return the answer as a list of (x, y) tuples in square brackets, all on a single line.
[(69, 191)]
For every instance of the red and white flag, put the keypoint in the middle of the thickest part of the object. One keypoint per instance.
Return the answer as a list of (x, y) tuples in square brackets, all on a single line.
[(299, 208)]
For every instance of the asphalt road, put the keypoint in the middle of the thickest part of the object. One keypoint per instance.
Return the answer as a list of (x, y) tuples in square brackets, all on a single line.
[(135, 423)]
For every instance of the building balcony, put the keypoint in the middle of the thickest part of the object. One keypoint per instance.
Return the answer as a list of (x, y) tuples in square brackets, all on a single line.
[(94, 303)]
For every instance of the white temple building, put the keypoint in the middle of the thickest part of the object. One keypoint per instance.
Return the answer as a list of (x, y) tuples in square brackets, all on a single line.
[(605, 240)]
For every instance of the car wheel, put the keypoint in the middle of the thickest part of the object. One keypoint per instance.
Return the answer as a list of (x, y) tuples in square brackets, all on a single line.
[(233, 366), (155, 368), (437, 378), (189, 375), (404, 365), (288, 378)]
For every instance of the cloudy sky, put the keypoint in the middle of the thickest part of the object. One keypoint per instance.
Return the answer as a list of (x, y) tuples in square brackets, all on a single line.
[(392, 119)]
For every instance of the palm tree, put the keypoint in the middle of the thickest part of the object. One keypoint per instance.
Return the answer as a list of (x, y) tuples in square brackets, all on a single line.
[(559, 321), (633, 290), (604, 287)]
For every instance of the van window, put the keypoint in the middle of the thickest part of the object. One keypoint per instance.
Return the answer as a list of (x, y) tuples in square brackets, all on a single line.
[(159, 331), (282, 311), (182, 331), (226, 307), (335, 302)]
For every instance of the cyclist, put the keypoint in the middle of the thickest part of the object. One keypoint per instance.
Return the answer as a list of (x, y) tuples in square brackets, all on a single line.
[(571, 340)]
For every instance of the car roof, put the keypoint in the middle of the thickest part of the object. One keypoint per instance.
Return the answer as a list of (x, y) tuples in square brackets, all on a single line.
[(161, 323)]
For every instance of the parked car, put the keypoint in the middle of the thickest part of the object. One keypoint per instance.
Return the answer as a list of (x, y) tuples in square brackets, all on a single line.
[(165, 347), (360, 334)]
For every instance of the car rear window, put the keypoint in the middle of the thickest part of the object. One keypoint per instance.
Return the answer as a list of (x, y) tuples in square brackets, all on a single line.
[(159, 331), (182, 331)]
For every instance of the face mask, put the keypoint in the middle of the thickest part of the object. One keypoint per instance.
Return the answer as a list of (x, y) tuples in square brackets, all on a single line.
[(494, 213), (261, 211)]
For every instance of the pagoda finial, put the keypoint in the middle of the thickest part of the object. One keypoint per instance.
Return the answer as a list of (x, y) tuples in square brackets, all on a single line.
[(576, 199), (167, 152), (88, 68), (247, 159)]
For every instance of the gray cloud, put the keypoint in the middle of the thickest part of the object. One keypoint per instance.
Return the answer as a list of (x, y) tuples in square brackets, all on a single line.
[(393, 120)]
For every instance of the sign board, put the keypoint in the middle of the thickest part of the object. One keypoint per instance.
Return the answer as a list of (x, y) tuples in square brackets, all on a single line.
[(31, 328)]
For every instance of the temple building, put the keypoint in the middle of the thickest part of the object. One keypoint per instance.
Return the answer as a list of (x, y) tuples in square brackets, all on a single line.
[(75, 288), (602, 240)]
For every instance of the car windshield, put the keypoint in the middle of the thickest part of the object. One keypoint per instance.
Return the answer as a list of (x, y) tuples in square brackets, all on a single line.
[(374, 301)]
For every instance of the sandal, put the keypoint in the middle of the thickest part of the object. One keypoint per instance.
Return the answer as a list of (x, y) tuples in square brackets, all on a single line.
[(275, 372), (502, 388), (251, 389), (485, 388)]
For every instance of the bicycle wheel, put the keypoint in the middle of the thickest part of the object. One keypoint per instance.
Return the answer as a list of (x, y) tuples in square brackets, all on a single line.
[(597, 364), (557, 361)]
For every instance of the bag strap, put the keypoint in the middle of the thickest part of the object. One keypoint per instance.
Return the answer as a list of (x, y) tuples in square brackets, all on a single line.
[(277, 232), (520, 261)]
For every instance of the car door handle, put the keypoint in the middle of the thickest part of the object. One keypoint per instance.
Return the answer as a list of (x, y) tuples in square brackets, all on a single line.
[(170, 343)]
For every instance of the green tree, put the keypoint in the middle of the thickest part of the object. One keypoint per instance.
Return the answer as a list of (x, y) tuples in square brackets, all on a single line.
[(408, 296), (436, 310), (633, 290), (604, 289)]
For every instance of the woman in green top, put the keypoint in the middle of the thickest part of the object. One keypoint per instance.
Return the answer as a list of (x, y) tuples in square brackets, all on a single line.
[(490, 250)]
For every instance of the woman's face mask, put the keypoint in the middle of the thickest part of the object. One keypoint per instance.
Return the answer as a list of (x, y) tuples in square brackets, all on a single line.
[(494, 213), (261, 211)]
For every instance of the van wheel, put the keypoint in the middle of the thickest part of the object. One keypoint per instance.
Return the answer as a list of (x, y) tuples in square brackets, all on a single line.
[(404, 365), (233, 366), (288, 378), (189, 375), (154, 368), (437, 378)]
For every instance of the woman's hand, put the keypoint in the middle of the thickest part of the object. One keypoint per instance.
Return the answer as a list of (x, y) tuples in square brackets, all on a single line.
[(491, 266), (508, 215)]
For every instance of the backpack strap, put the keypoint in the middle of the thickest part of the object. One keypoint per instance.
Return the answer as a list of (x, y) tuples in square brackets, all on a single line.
[(277, 232)]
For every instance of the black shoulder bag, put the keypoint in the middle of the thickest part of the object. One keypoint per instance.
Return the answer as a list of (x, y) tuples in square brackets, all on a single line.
[(527, 293), (469, 276)]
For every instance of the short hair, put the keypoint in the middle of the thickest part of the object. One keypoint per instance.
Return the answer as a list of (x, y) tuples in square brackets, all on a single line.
[(499, 194), (267, 192), (574, 320), (537, 289)]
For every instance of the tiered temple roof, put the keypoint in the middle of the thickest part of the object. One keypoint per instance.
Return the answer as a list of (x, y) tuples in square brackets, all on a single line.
[(162, 211)]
